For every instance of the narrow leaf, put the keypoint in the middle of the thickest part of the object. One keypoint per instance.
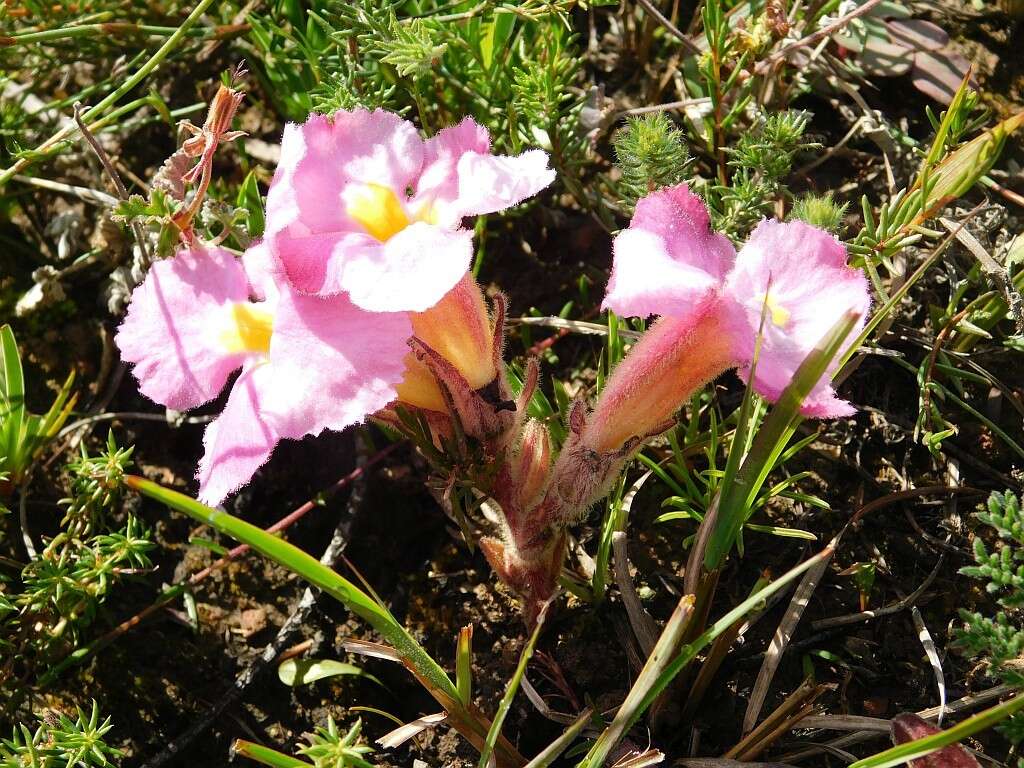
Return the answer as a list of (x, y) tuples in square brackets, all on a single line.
[(266, 755), (551, 752), (924, 746), (486, 759), (296, 672), (770, 441)]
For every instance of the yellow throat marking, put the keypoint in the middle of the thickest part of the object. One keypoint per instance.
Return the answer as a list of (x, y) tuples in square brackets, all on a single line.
[(248, 329), (379, 210), (778, 313)]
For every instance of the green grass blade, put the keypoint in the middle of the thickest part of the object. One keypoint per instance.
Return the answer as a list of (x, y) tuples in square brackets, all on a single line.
[(53, 420), (745, 426), (266, 755), (939, 142), (789, 533), (662, 475), (637, 700), (912, 750), (559, 745), (494, 733), (89, 116), (470, 723), (883, 312), (646, 690), (464, 664), (12, 389), (313, 571), (770, 442), (12, 380)]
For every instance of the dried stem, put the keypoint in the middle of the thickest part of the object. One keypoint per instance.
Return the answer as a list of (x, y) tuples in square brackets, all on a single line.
[(816, 37), (688, 44), (115, 178)]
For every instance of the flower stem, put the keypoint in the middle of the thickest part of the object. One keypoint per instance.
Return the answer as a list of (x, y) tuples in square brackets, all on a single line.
[(114, 96), (110, 29)]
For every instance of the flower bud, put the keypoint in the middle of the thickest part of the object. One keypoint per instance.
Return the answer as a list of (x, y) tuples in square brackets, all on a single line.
[(459, 329), (532, 463)]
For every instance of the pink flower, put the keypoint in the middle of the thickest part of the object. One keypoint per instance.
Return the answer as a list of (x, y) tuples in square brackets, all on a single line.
[(797, 274), (674, 358), (307, 363), (669, 259), (670, 263), (362, 205)]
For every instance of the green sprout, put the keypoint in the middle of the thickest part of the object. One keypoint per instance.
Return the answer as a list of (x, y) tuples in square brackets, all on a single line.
[(651, 153), (330, 748)]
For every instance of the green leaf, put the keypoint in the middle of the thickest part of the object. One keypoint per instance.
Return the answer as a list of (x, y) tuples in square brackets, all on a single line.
[(912, 750), (24, 435), (266, 755), (313, 571), (250, 200), (770, 441), (682, 515), (664, 667), (550, 753), (136, 207), (53, 420), (296, 672), (788, 533), (464, 664), (157, 103), (1015, 254), (470, 723), (639, 696), (213, 546), (495, 37), (961, 170), (505, 705), (12, 391)]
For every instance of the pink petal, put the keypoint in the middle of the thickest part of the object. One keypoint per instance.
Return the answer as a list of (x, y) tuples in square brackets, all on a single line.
[(239, 441), (491, 183), (171, 331), (264, 270), (454, 141), (646, 280), (323, 155), (377, 147), (331, 363), (315, 263), (775, 371), (307, 216), (681, 219), (462, 178), (438, 185), (803, 270), (411, 272), (669, 260)]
